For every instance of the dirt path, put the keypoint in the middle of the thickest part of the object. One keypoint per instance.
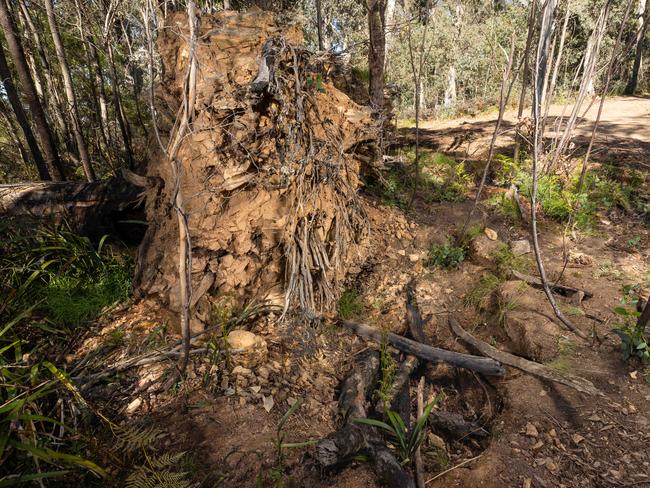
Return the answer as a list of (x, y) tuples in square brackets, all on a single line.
[(623, 117)]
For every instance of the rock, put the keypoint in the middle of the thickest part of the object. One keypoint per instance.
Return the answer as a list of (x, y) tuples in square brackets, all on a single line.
[(491, 234), (414, 258), (240, 370), (242, 339), (531, 430), (267, 403), (482, 249), (401, 252), (263, 372), (134, 405), (520, 247), (252, 348)]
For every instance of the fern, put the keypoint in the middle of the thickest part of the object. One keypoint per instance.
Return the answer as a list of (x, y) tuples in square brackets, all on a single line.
[(158, 473), (131, 439)]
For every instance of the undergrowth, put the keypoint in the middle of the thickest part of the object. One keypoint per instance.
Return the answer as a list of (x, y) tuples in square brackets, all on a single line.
[(558, 198), (51, 282), (442, 179)]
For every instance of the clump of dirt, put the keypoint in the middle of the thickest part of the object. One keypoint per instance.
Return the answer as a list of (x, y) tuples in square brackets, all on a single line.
[(269, 171)]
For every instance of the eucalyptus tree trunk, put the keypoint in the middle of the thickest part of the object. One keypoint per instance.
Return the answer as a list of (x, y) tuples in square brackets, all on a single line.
[(6, 112), (21, 117), (122, 121), (642, 25), (53, 100), (376, 51), (69, 92), (53, 162), (525, 79)]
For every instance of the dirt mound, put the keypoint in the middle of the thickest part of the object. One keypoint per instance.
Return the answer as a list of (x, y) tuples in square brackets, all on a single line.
[(270, 168)]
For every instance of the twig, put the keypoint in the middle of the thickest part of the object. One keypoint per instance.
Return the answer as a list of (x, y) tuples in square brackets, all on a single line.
[(419, 468), (541, 65), (530, 367), (459, 465)]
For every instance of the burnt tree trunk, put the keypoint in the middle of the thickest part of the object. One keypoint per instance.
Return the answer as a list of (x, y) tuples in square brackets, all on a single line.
[(642, 26), (21, 117), (376, 51)]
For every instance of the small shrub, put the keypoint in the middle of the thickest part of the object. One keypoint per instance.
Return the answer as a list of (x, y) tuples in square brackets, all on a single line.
[(633, 340), (350, 304), (388, 366), (446, 255), (506, 262), (504, 206), (479, 296), (407, 439)]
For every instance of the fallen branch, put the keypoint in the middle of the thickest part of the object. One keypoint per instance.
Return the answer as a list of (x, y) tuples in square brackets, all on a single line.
[(358, 385), (482, 365), (539, 370), (563, 290), (419, 468)]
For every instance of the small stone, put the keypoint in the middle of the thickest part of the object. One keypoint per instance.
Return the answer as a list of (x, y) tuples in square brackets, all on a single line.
[(527, 483), (134, 405), (256, 388), (531, 430), (229, 392), (552, 433), (240, 370), (537, 445), (242, 339), (577, 438), (401, 252), (414, 258), (267, 403), (263, 372), (242, 401), (491, 234), (520, 247), (436, 441)]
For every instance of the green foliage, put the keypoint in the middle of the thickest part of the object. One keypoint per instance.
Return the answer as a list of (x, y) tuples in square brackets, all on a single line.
[(408, 440), (632, 334), (350, 304), (160, 472), (505, 206), (446, 255), (50, 279), (634, 342), (70, 278), (506, 262), (388, 367), (277, 473), (479, 296)]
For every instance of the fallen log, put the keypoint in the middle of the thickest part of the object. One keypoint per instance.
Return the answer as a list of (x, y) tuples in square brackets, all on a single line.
[(487, 366), (454, 425), (358, 385), (341, 445), (563, 290), (535, 369), (92, 209)]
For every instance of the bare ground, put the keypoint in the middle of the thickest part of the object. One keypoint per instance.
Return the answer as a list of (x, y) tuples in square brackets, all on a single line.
[(541, 434)]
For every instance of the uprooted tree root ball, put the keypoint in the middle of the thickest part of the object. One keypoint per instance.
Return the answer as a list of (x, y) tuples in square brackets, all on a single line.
[(269, 171)]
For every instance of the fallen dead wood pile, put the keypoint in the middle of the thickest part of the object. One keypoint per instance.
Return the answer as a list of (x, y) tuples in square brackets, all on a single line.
[(269, 172), (359, 397), (88, 208)]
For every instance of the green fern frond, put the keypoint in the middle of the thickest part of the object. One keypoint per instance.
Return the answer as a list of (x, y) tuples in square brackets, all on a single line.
[(146, 477), (166, 460), (132, 439)]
